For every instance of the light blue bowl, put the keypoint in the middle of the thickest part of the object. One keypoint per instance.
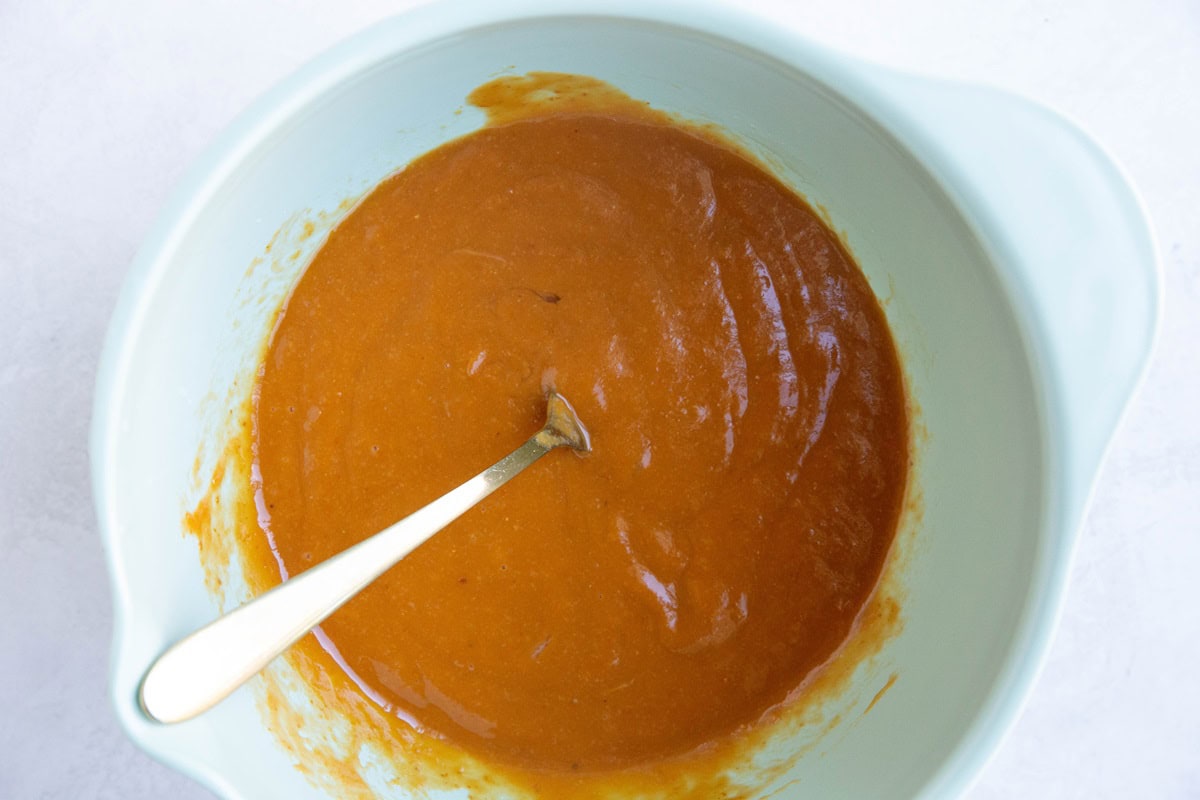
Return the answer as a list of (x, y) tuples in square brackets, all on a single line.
[(1016, 264)]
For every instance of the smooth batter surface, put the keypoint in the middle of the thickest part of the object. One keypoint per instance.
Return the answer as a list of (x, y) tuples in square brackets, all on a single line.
[(747, 418)]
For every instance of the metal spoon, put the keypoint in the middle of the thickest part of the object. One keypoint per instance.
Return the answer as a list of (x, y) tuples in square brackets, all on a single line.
[(205, 667)]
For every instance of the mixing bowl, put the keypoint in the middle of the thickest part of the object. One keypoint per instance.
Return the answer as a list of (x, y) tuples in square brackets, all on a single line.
[(1014, 262)]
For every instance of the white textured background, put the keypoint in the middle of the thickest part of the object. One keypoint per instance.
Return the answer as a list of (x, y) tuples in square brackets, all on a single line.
[(103, 105)]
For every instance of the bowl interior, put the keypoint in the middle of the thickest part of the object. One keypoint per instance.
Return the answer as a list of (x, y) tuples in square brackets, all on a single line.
[(195, 316)]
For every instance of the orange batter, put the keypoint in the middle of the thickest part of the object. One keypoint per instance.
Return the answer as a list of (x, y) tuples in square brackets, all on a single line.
[(748, 426)]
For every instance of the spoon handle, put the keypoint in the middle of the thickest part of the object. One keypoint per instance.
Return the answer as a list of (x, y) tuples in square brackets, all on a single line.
[(204, 668)]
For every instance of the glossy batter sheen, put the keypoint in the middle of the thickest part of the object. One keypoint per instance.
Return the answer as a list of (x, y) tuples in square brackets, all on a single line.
[(746, 411)]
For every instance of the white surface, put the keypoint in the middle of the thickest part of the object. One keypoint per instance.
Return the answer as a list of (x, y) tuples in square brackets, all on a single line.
[(102, 108)]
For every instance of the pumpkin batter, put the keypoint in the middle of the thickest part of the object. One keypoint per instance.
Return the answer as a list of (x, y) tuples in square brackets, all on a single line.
[(748, 426)]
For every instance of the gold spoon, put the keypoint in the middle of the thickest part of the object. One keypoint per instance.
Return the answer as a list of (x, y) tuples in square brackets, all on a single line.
[(204, 668)]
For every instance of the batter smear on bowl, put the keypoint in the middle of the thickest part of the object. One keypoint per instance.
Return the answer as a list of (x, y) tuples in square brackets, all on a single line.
[(738, 378)]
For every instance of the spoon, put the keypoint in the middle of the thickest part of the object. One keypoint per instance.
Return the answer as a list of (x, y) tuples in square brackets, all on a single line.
[(204, 668)]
